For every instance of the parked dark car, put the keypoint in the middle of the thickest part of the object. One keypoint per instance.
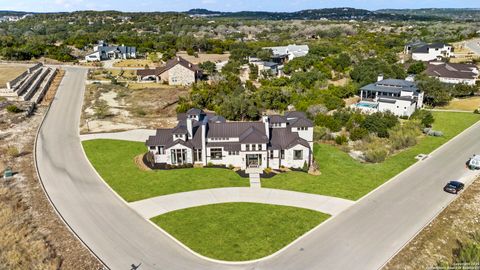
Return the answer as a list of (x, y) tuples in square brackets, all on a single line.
[(453, 187)]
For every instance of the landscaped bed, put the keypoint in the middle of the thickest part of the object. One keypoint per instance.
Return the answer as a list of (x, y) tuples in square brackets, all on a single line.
[(114, 161), (342, 176), (238, 231)]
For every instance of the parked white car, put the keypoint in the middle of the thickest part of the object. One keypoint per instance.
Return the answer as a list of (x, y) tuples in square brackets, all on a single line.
[(474, 163)]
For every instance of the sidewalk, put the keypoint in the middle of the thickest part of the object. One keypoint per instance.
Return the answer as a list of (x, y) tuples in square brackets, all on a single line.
[(152, 207)]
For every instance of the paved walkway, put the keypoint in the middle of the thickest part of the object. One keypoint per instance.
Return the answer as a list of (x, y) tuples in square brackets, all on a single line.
[(152, 207), (137, 135), (255, 180)]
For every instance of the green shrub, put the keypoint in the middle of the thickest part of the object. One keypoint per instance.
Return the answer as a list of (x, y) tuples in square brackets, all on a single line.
[(379, 123), (328, 121), (101, 109), (358, 133), (305, 167), (319, 133), (403, 136), (341, 139), (425, 117), (13, 109), (376, 155)]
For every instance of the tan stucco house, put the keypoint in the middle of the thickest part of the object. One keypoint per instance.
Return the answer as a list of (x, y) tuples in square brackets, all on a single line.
[(176, 71)]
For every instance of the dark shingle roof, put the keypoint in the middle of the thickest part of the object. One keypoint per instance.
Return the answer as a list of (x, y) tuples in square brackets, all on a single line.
[(391, 86), (227, 146), (295, 114), (451, 70), (194, 111), (253, 135), (277, 118), (232, 129), (162, 137), (179, 129), (301, 122), (170, 64), (424, 48), (284, 138)]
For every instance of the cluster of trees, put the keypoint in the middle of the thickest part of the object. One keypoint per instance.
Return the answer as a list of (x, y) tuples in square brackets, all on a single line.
[(357, 124), (379, 134), (366, 71), (438, 93)]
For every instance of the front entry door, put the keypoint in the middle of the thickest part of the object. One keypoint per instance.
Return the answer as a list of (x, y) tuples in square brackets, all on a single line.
[(254, 160)]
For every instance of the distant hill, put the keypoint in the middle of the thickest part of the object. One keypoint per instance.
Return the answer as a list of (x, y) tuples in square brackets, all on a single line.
[(13, 13), (447, 13), (311, 14)]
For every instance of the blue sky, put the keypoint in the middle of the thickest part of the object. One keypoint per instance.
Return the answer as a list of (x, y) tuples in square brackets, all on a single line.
[(223, 5)]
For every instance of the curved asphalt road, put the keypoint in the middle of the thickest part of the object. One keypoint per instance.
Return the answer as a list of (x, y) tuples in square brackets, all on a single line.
[(364, 236)]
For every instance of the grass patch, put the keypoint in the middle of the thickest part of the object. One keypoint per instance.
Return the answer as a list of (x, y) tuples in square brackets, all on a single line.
[(466, 104), (238, 231), (114, 161), (347, 178)]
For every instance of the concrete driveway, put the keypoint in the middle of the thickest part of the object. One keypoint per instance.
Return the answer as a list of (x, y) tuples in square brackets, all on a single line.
[(136, 135), (152, 207)]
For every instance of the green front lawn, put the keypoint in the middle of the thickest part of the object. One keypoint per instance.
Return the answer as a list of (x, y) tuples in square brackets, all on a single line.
[(347, 178), (238, 231), (114, 161)]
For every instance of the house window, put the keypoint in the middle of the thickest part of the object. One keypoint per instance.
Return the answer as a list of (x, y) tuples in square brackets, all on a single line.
[(271, 153), (152, 147), (161, 150), (259, 147), (197, 156), (215, 153), (282, 154), (179, 156), (233, 153), (254, 147), (247, 147), (298, 154)]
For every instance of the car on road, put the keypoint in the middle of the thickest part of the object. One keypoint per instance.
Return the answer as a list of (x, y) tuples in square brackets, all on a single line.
[(453, 187), (474, 163)]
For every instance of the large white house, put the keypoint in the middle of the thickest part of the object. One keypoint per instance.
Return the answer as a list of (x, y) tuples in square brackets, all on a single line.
[(430, 52), (202, 138), (288, 52), (400, 97), (102, 51), (453, 73)]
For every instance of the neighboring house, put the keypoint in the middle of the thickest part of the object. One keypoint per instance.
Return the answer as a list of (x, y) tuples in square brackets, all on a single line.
[(176, 71), (401, 97), (282, 53), (202, 138), (431, 52), (102, 51), (264, 66), (409, 47), (453, 73)]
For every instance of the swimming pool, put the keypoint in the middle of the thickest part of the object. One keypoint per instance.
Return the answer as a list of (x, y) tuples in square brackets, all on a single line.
[(367, 105)]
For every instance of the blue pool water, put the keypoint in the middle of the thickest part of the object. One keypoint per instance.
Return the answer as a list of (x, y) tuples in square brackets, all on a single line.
[(367, 105)]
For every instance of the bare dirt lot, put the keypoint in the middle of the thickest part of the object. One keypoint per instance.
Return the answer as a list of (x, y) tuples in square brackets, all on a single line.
[(116, 107), (203, 57), (135, 63), (31, 234), (438, 241), (10, 72)]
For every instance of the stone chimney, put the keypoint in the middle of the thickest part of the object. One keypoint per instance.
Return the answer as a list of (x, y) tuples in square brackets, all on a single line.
[(380, 77), (189, 128), (267, 126)]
